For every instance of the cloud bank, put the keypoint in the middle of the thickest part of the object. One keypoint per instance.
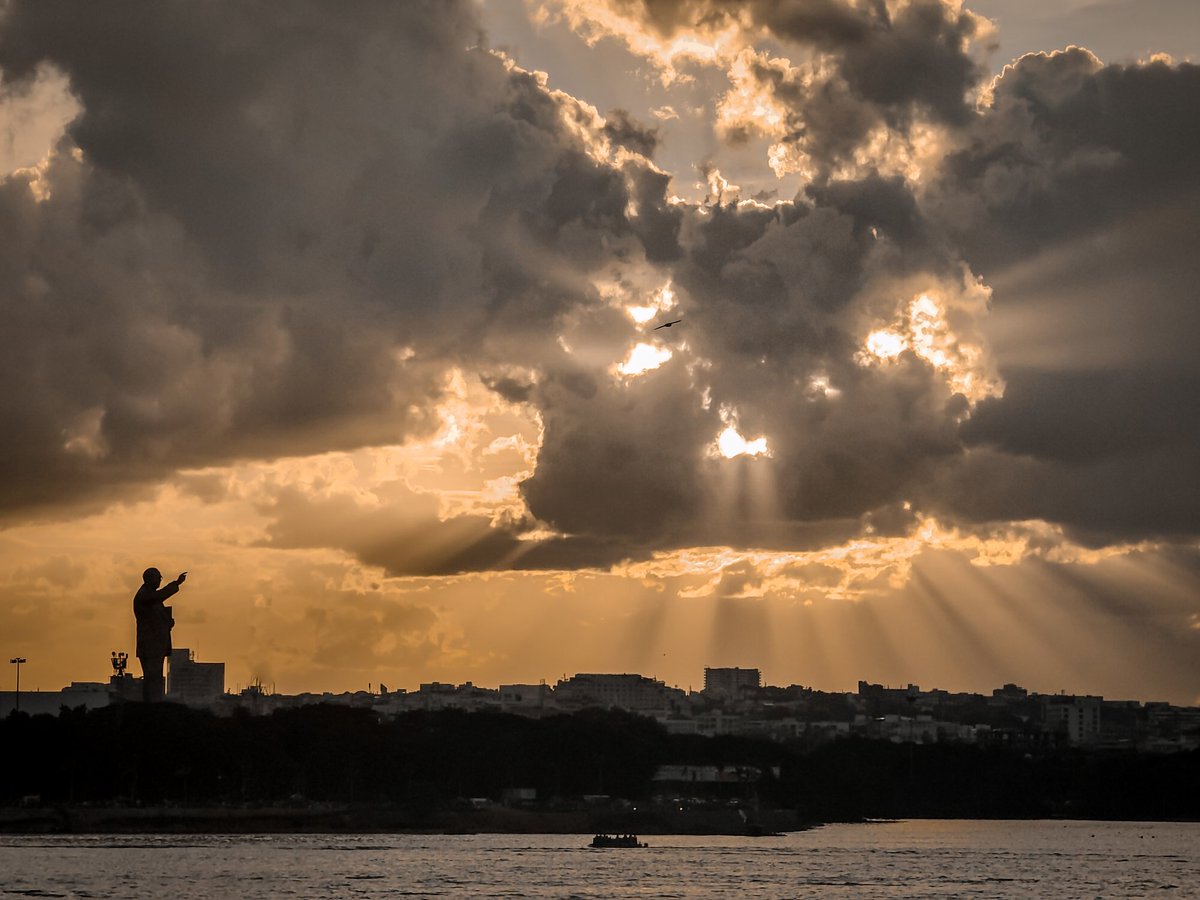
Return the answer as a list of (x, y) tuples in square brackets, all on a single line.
[(270, 232)]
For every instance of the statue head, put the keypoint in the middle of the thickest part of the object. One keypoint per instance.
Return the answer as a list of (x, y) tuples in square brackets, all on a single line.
[(152, 577)]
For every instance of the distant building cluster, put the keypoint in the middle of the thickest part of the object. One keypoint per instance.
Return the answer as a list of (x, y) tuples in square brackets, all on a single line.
[(199, 684), (734, 701)]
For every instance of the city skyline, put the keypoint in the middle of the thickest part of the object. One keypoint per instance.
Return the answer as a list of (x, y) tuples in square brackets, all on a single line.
[(356, 316), (733, 702), (203, 671)]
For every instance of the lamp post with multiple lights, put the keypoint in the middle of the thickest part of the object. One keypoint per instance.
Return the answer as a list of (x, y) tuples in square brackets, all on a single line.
[(16, 661)]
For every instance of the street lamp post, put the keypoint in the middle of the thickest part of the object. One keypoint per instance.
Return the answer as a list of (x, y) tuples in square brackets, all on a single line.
[(16, 661)]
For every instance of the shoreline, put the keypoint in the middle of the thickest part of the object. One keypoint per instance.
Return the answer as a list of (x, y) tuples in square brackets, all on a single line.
[(344, 818), (347, 819)]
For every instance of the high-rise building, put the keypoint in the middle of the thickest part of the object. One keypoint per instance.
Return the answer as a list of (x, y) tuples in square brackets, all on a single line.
[(730, 684), (194, 683), (1078, 718)]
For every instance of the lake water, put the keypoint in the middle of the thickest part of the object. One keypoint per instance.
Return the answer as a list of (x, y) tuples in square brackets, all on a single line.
[(876, 860)]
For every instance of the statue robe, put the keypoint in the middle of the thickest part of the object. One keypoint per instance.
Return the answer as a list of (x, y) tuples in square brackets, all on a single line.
[(154, 621)]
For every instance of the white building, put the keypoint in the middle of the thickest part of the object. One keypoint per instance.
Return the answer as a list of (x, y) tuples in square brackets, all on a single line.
[(194, 683), (730, 683)]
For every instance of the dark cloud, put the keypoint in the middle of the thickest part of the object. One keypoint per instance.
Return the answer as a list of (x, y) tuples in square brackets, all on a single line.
[(889, 208), (269, 233), (621, 128), (897, 58), (1076, 198), (1152, 495), (1068, 416), (656, 222), (403, 537), (511, 389), (1067, 146), (406, 538), (623, 460)]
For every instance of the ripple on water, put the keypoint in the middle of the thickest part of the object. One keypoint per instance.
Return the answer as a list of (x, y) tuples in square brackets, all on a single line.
[(876, 860)]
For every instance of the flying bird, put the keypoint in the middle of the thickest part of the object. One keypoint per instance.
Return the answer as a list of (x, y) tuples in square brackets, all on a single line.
[(666, 324)]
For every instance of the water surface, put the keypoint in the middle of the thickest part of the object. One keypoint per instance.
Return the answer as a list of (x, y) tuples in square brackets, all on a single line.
[(876, 860)]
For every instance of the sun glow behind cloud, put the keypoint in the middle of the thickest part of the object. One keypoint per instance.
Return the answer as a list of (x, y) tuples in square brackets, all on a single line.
[(883, 344), (642, 358), (923, 327), (660, 301), (731, 444)]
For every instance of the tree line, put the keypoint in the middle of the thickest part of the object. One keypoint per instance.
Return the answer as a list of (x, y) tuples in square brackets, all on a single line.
[(135, 754)]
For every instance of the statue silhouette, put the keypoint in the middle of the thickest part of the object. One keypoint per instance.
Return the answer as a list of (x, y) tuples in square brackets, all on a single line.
[(154, 623)]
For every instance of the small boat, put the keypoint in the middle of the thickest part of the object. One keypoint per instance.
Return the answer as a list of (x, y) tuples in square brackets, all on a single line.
[(616, 840)]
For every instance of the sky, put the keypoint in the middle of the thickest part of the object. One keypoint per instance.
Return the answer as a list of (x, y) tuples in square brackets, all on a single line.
[(350, 311)]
